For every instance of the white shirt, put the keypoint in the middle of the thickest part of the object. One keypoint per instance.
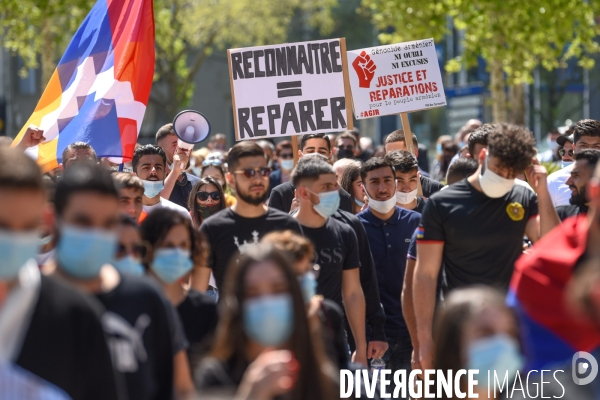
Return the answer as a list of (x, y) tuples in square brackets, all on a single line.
[(559, 191), (164, 203)]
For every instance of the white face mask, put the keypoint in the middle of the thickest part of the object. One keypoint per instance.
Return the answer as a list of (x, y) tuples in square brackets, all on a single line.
[(406, 198), (382, 207), (492, 184)]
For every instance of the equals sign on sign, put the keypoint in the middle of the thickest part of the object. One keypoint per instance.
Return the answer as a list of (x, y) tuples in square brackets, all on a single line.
[(289, 89)]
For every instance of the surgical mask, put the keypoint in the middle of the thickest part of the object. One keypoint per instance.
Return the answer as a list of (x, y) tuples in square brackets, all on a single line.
[(492, 184), (406, 198), (552, 144), (499, 353), (171, 264), (565, 164), (384, 206), (81, 253), (46, 240), (208, 211), (308, 284), (329, 202), (359, 203), (15, 249), (268, 320), (438, 149), (129, 265), (287, 164), (153, 188)]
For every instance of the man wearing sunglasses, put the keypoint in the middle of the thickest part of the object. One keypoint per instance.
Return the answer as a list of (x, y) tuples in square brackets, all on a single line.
[(566, 148), (249, 219), (346, 146)]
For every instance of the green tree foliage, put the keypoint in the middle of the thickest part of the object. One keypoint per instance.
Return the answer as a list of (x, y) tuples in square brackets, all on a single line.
[(513, 36)]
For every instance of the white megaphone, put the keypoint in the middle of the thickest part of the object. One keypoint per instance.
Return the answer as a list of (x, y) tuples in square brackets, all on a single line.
[(191, 127)]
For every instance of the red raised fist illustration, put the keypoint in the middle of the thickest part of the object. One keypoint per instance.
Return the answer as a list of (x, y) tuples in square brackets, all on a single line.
[(365, 69)]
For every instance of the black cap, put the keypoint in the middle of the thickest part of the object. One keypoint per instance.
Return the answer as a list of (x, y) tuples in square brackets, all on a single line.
[(562, 139)]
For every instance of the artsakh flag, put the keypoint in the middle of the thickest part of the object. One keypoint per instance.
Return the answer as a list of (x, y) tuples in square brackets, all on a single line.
[(100, 88)]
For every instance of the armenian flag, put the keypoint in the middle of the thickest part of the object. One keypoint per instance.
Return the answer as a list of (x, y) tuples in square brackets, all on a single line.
[(100, 88)]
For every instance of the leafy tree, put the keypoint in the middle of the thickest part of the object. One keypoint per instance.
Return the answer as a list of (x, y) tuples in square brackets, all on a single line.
[(513, 36)]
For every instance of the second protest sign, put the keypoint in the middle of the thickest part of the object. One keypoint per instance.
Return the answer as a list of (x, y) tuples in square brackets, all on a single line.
[(290, 89)]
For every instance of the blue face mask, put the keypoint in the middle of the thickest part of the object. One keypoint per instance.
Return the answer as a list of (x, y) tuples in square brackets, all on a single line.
[(308, 284), (15, 250), (171, 264), (565, 164), (438, 149), (329, 202), (498, 353), (153, 188), (268, 320), (359, 203), (129, 265), (287, 164), (82, 252)]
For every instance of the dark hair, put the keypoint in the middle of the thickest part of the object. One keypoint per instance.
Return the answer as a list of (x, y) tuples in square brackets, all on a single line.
[(310, 168), (87, 177), (590, 155), (19, 171), (347, 135), (157, 225), (242, 150), (164, 131), (125, 180), (295, 245), (402, 161), (375, 163), (586, 127), (479, 136), (193, 204), (77, 146), (147, 150), (231, 340), (309, 136), (350, 174), (284, 144), (460, 169), (398, 136), (513, 145)]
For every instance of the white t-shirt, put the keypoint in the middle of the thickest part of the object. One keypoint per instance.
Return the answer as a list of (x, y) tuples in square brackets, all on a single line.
[(559, 192), (164, 203)]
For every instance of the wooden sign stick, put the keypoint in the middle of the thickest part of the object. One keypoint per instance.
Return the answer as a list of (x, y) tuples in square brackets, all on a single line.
[(295, 149), (409, 144)]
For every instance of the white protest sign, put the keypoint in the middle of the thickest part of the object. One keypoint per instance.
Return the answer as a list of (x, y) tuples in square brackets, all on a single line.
[(289, 89), (395, 79)]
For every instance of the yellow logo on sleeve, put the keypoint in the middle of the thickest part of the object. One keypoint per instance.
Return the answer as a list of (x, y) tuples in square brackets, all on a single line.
[(515, 211)]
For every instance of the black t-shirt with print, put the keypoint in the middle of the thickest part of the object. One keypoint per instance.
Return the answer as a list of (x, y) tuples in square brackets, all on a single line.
[(336, 250), (139, 334), (482, 236), (226, 232)]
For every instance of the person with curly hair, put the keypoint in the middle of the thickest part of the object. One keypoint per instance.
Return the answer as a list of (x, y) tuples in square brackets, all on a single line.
[(476, 226)]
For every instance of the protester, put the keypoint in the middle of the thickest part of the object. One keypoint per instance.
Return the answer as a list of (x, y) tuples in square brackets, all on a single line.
[(264, 346), (206, 198), (130, 250), (340, 166), (54, 330), (407, 175), (461, 169), (285, 161), (476, 331), (476, 226), (352, 183), (283, 196), (365, 145), (551, 155), (149, 165), (178, 183), (585, 163), (396, 141), (214, 168), (551, 332), (131, 194), (77, 152), (440, 166), (565, 150), (346, 146), (249, 219), (335, 243), (389, 229), (176, 249), (586, 135)]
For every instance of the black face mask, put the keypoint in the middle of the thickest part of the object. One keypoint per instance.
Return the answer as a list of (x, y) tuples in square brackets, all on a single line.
[(345, 154), (208, 211)]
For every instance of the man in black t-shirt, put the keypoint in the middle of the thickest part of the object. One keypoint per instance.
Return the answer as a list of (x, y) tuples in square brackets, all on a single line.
[(583, 169), (283, 196), (249, 219), (407, 174), (336, 246), (476, 226)]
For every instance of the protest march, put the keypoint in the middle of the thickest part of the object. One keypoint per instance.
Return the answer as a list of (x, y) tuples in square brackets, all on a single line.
[(311, 252)]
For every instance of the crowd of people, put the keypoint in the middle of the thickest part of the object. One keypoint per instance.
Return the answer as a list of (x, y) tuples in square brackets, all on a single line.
[(240, 273)]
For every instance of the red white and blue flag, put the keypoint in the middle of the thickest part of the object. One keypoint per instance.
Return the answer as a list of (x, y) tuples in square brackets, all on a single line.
[(100, 88)]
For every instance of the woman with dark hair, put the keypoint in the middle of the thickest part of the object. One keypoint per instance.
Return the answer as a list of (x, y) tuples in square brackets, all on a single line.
[(215, 169), (352, 184), (475, 330), (264, 347), (175, 250), (206, 198)]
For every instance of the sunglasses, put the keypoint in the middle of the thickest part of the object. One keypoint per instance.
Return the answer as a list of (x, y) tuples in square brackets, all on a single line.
[(203, 196), (286, 156), (211, 162), (138, 251), (562, 152), (251, 173), (348, 147)]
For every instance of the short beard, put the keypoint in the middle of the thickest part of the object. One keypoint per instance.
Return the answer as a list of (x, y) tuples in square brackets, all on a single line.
[(578, 199), (255, 201)]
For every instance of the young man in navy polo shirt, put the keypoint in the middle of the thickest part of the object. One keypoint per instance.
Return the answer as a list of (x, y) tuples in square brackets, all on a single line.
[(389, 229)]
